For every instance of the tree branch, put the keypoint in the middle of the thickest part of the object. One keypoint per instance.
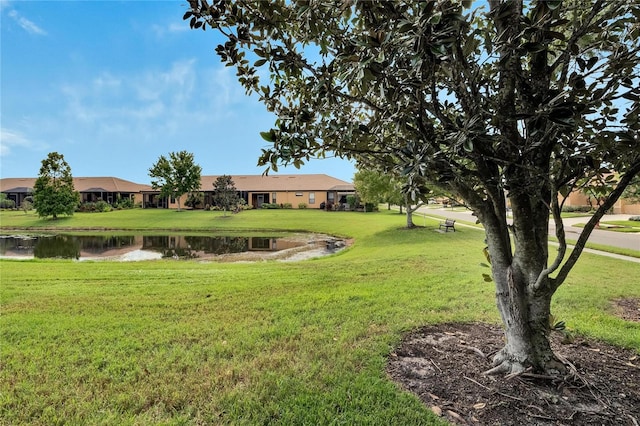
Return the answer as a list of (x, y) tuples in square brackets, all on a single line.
[(626, 179)]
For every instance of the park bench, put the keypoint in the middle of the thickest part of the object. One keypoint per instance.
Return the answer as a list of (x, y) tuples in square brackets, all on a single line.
[(448, 224)]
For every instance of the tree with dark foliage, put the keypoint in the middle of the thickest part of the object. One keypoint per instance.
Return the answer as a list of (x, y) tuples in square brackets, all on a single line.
[(225, 194), (524, 101)]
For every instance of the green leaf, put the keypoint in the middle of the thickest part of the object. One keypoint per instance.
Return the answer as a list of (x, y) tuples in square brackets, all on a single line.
[(534, 47), (267, 136), (556, 34), (468, 145), (553, 4), (260, 62), (487, 278), (435, 18)]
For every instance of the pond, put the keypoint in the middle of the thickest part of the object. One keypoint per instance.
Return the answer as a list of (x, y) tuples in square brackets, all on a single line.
[(169, 246)]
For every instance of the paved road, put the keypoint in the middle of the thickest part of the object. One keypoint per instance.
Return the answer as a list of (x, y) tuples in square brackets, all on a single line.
[(608, 238)]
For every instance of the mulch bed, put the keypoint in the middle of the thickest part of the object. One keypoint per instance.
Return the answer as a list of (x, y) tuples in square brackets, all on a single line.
[(443, 366)]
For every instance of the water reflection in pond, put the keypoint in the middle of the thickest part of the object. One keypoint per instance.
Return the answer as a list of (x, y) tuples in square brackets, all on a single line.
[(139, 247)]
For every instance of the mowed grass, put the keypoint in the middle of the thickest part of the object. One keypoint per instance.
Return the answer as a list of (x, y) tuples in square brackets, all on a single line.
[(617, 225), (184, 342)]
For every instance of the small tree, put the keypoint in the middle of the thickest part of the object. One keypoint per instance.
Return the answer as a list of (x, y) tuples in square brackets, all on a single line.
[(225, 194), (176, 175), (54, 193), (372, 186), (375, 186), (194, 199)]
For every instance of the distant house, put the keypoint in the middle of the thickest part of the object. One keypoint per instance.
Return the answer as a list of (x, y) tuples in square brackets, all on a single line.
[(91, 189), (622, 206), (313, 190)]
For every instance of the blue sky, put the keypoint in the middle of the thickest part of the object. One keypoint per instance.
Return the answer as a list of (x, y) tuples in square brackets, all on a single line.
[(112, 85)]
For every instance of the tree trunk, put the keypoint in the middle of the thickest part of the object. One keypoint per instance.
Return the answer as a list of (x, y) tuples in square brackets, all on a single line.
[(410, 223), (525, 315), (523, 292)]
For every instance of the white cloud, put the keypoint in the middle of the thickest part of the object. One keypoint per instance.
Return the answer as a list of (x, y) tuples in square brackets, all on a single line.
[(10, 139), (161, 31), (26, 24), (149, 105), (107, 81)]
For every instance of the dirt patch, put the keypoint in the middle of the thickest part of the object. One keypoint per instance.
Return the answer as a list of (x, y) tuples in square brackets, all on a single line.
[(627, 309), (443, 366)]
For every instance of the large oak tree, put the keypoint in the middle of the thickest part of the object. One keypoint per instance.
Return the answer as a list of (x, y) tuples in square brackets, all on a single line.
[(524, 101)]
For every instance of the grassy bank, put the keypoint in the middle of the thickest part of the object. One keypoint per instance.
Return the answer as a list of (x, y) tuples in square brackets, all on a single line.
[(185, 342)]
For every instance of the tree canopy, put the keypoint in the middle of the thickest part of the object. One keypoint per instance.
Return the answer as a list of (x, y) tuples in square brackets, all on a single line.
[(225, 194), (176, 175), (515, 104), (54, 193)]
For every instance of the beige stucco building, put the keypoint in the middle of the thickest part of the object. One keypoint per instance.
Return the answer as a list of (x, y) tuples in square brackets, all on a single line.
[(91, 189), (622, 206), (312, 190)]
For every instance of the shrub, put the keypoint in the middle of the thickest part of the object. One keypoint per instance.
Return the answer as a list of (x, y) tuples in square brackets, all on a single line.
[(635, 218), (270, 206), (352, 200), (570, 209), (7, 204), (302, 205), (242, 205), (124, 203), (26, 205), (87, 207), (287, 206), (103, 206)]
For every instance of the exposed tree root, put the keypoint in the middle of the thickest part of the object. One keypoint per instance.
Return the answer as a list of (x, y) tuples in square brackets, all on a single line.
[(510, 366), (584, 382)]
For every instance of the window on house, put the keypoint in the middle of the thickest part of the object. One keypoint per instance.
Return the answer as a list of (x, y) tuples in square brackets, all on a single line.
[(312, 198), (298, 194), (331, 196), (273, 197)]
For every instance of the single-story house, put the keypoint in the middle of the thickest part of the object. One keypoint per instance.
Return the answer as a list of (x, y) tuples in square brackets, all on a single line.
[(91, 189), (310, 189), (622, 206)]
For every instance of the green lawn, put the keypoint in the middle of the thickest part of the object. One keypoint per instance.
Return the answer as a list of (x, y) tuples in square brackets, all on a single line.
[(617, 225), (621, 225), (185, 342)]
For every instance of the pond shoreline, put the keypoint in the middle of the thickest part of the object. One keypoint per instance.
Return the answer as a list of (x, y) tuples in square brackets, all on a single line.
[(202, 246)]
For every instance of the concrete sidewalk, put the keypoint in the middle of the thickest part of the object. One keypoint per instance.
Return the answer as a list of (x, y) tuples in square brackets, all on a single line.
[(598, 236)]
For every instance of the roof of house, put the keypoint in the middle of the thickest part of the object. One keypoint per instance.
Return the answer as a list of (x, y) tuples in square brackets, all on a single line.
[(282, 183), (81, 184), (248, 183)]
